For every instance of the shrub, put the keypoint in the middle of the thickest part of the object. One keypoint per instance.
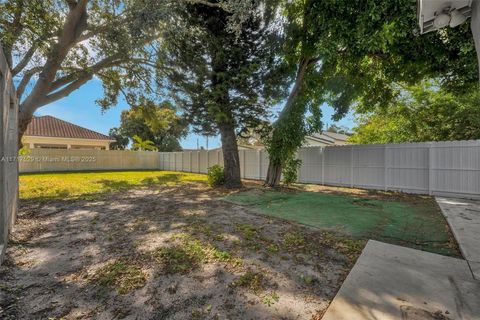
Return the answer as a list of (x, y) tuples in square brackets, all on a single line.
[(290, 170), (215, 176)]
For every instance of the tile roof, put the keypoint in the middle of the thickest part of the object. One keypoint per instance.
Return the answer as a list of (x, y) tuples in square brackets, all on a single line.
[(48, 126)]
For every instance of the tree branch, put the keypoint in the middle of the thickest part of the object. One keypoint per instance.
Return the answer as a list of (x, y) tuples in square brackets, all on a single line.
[(25, 60), (71, 3), (206, 3), (74, 25), (16, 28), (66, 91), (105, 63), (25, 80)]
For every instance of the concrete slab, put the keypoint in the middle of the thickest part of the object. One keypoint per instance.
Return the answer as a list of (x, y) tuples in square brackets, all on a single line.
[(463, 216), (475, 267), (391, 282)]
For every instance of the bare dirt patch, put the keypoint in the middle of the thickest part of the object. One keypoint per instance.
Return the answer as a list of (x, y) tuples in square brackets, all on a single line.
[(167, 252)]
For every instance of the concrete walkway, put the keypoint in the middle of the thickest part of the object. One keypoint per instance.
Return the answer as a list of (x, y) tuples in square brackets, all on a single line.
[(463, 216), (391, 282)]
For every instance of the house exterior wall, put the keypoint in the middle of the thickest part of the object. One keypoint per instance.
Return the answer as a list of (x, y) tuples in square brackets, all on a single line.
[(34, 142)]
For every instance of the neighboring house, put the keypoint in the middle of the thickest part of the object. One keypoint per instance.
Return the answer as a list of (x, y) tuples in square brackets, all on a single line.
[(316, 140), (53, 133), (326, 138)]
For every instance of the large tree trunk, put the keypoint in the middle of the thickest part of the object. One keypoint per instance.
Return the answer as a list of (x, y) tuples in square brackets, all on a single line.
[(230, 156), (274, 174), (275, 164)]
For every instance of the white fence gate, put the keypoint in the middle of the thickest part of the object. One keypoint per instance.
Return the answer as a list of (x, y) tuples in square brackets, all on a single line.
[(450, 168)]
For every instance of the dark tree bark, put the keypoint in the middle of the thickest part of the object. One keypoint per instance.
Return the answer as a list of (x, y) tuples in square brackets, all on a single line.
[(274, 174), (230, 156)]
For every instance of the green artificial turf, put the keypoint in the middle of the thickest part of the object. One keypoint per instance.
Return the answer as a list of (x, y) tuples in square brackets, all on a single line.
[(418, 224)]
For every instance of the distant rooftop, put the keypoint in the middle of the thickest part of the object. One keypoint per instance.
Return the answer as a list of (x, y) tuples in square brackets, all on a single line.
[(48, 126), (329, 136)]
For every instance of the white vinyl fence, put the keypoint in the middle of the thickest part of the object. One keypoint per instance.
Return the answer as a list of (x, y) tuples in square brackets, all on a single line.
[(450, 168), (436, 168), (52, 160)]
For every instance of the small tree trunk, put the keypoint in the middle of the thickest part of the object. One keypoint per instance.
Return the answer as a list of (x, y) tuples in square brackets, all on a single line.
[(230, 156), (274, 174)]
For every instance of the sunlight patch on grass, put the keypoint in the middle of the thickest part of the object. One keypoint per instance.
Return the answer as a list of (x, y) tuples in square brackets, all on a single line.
[(85, 185)]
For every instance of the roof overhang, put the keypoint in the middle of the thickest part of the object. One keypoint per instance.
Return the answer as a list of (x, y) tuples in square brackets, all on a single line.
[(67, 138), (428, 10)]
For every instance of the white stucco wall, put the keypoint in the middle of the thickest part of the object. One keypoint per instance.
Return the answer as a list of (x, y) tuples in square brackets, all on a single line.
[(68, 143)]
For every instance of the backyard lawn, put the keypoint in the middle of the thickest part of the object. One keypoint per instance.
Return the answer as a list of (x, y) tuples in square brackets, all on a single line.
[(163, 245), (85, 185)]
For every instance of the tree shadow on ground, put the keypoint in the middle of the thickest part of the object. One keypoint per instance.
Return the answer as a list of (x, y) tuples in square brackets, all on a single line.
[(115, 185), (244, 265)]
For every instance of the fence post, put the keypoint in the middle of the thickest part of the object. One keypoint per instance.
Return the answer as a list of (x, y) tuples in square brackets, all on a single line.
[(244, 162), (385, 169), (191, 161), (259, 164), (218, 157), (351, 167), (198, 161), (430, 168), (322, 150)]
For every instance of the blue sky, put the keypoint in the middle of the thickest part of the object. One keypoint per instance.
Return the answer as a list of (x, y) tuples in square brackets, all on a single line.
[(80, 108)]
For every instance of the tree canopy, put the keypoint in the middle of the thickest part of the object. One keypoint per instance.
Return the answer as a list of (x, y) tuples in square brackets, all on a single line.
[(148, 121), (356, 52), (224, 82), (143, 145), (422, 112), (53, 47)]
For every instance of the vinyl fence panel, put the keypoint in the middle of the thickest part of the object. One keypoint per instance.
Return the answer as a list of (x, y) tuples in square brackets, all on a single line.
[(51, 160), (438, 168)]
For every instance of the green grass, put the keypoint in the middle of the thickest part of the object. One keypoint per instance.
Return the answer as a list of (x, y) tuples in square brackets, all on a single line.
[(122, 275), (253, 281), (85, 185), (415, 223), (181, 259)]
